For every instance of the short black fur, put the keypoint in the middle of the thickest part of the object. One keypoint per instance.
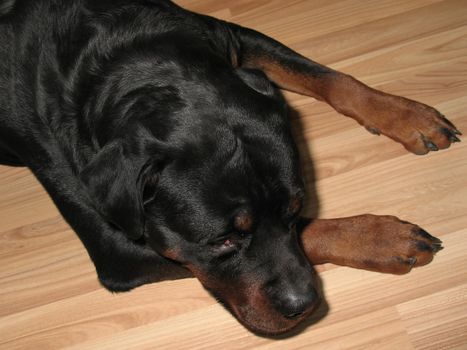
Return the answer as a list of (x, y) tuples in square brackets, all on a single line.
[(150, 137)]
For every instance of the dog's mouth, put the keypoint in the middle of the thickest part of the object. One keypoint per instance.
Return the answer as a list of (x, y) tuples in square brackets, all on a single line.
[(260, 316), (250, 305)]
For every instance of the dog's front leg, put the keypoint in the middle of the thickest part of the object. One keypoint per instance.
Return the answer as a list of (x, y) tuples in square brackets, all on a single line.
[(370, 242), (420, 128)]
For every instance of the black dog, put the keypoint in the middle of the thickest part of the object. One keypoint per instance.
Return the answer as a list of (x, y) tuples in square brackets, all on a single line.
[(162, 141)]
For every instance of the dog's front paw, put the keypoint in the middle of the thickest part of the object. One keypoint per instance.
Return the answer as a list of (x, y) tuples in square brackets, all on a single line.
[(398, 247), (369, 242), (427, 130), (420, 128), (419, 250)]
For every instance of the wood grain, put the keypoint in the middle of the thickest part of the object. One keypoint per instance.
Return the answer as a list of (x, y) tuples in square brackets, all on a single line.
[(50, 297)]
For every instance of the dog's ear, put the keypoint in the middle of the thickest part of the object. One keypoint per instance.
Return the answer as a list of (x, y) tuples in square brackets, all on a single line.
[(115, 182), (133, 125), (256, 80)]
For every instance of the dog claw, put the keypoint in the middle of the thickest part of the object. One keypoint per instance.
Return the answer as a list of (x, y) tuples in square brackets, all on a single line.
[(448, 122), (427, 247), (436, 247), (424, 234), (430, 145), (372, 130), (450, 135), (412, 261), (422, 246)]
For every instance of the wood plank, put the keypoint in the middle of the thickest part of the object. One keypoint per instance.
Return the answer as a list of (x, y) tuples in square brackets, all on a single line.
[(437, 321), (50, 297)]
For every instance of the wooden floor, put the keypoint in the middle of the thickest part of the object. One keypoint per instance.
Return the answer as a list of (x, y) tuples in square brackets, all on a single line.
[(49, 294)]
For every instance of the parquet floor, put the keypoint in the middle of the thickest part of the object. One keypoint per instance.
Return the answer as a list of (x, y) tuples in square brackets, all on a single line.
[(49, 294)]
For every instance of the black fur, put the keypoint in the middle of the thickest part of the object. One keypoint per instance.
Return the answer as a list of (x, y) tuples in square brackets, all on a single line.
[(138, 119)]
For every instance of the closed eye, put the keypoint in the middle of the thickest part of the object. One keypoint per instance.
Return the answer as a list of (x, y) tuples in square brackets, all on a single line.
[(227, 249), (228, 244)]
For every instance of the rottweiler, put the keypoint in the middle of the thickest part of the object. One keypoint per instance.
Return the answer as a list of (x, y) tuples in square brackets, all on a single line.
[(163, 139)]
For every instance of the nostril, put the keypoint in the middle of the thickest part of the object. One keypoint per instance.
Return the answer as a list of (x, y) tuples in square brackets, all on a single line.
[(295, 314)]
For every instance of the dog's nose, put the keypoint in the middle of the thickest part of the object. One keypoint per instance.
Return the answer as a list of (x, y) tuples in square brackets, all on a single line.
[(294, 305)]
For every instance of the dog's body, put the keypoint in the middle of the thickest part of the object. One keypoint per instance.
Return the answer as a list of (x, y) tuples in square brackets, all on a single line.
[(159, 136)]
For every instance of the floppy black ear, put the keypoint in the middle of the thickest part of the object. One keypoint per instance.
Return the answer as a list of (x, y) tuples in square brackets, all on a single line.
[(256, 80), (113, 180)]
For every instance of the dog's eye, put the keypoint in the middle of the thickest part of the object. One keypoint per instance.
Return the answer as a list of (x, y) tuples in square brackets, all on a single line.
[(229, 244), (227, 248), (150, 187)]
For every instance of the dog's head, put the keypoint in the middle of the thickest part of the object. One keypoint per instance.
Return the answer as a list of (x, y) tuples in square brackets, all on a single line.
[(201, 164)]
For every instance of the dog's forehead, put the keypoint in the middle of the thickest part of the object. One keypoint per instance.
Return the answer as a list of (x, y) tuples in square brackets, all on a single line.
[(254, 171), (231, 172)]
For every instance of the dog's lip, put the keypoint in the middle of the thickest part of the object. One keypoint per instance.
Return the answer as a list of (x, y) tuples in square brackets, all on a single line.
[(267, 331), (236, 311)]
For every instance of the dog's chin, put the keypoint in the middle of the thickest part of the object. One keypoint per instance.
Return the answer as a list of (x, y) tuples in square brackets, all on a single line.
[(250, 306), (266, 322), (256, 312)]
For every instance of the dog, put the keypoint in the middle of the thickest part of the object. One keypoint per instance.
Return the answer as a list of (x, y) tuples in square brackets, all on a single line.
[(162, 137)]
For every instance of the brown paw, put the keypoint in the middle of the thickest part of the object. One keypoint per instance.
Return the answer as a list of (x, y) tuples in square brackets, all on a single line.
[(420, 128), (400, 246), (370, 242), (421, 250), (430, 132)]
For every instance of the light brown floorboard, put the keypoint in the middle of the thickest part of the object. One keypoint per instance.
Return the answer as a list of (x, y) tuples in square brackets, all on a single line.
[(49, 295)]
